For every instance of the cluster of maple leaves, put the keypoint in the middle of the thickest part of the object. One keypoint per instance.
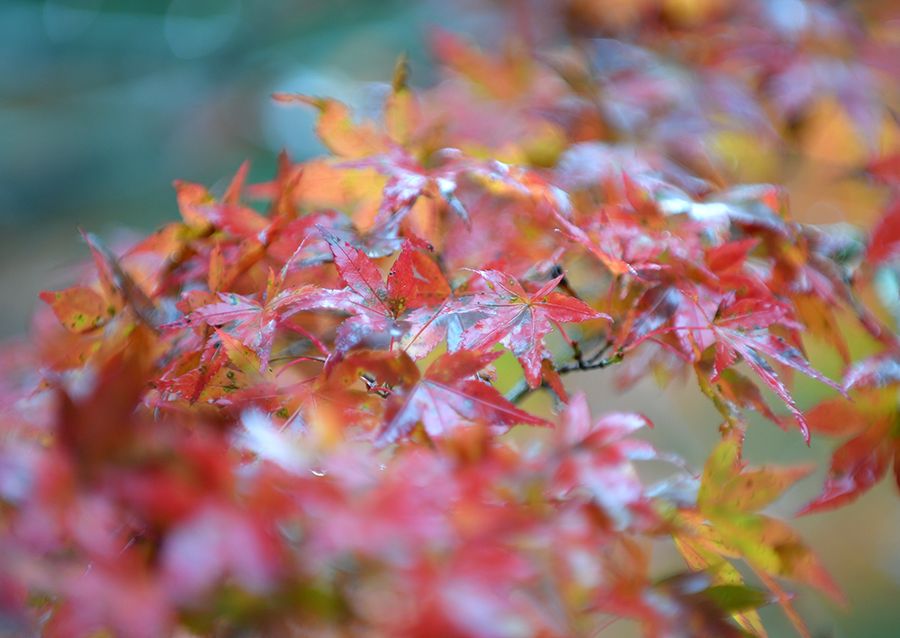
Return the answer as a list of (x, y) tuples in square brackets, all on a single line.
[(282, 415)]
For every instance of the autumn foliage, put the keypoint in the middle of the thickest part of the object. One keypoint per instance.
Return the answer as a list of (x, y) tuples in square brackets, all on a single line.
[(290, 412)]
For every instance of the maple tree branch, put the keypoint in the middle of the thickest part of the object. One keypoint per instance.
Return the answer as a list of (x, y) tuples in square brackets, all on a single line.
[(598, 361)]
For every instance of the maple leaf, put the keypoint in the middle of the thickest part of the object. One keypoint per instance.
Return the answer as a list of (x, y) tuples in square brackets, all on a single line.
[(90, 426), (703, 557), (415, 165), (726, 523), (192, 374), (885, 242), (408, 182), (200, 208), (254, 322), (504, 78), (379, 308), (518, 319), (227, 544), (300, 241), (727, 485), (705, 607), (870, 422), (415, 281), (359, 273), (599, 460), (448, 396), (741, 329), (117, 283), (857, 465), (875, 372), (885, 168), (79, 309), (615, 264), (741, 392), (393, 153), (336, 128)]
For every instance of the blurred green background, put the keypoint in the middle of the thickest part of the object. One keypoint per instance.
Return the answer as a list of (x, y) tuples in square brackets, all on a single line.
[(104, 103)]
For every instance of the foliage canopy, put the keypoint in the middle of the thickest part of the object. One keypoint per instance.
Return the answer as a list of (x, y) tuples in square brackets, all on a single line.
[(282, 414)]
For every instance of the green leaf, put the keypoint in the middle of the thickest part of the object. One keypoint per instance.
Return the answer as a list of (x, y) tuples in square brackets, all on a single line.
[(725, 486), (737, 598)]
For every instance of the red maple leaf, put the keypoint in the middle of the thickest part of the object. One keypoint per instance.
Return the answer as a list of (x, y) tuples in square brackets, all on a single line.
[(253, 322), (380, 308), (874, 445), (741, 329), (448, 396), (520, 320)]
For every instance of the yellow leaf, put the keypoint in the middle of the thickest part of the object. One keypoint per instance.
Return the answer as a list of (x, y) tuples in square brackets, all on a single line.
[(336, 128)]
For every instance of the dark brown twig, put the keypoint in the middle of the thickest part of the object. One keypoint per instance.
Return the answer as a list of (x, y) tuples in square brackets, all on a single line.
[(522, 389)]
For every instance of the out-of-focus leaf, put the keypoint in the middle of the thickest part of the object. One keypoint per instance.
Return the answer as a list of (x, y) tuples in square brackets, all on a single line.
[(79, 308), (884, 244), (336, 128), (727, 486), (855, 467)]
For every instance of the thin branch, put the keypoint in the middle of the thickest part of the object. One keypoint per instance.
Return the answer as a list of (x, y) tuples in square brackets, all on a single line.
[(522, 389)]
